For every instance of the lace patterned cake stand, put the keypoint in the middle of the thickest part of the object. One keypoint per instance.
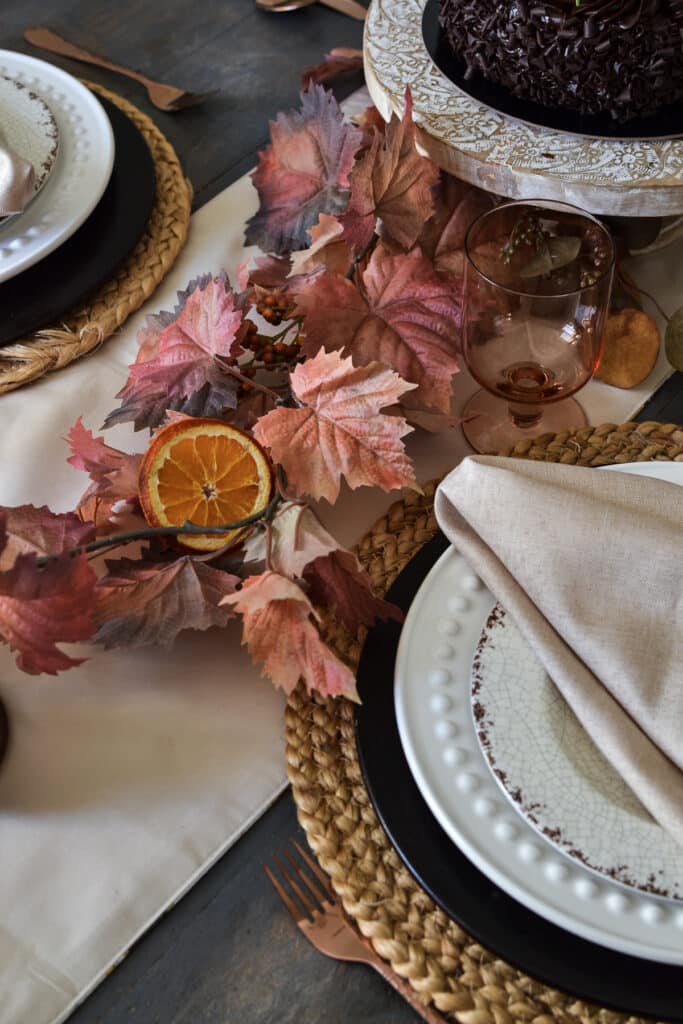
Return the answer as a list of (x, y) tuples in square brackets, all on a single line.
[(634, 178)]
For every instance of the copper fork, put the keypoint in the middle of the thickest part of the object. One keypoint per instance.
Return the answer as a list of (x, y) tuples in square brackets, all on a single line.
[(164, 97), (313, 905)]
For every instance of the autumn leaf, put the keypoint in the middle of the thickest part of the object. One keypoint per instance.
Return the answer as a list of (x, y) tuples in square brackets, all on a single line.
[(280, 634), (297, 537), (327, 250), (40, 607), (338, 429), (337, 61), (457, 205), (114, 473), (41, 531), (339, 583), (393, 182), (302, 173), (183, 361), (400, 313), (145, 602)]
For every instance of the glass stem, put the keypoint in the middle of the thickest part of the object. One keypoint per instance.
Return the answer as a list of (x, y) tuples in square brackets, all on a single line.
[(524, 416)]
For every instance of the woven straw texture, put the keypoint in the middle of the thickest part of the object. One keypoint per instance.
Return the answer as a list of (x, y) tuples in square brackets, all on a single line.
[(138, 277), (450, 970)]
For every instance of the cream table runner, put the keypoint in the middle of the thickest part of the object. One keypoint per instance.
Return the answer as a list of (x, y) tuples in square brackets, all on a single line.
[(128, 777)]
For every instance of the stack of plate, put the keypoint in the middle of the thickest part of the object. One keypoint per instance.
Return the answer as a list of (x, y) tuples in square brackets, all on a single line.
[(93, 193), (501, 805)]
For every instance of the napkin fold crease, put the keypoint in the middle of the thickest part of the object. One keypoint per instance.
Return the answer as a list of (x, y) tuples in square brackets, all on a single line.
[(590, 566)]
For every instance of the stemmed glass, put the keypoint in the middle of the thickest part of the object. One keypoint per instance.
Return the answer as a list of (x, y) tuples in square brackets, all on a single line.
[(536, 292)]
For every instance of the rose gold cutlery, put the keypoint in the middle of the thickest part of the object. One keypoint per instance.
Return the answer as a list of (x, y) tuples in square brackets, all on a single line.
[(349, 7), (310, 899), (164, 97)]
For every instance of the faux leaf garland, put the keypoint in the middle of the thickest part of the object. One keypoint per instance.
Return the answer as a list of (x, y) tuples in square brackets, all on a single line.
[(345, 330)]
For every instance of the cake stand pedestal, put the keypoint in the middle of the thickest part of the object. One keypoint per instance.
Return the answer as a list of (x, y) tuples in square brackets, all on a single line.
[(632, 178)]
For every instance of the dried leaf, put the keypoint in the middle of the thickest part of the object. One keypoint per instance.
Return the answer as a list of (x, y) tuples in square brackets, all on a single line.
[(302, 173), (280, 634), (338, 582), (339, 430), (337, 61), (393, 182), (328, 250), (673, 340), (401, 313), (114, 473), (457, 205), (38, 530), (206, 326), (40, 607), (146, 602), (297, 537)]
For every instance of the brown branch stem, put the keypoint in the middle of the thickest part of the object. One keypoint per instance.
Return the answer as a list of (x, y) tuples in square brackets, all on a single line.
[(234, 372)]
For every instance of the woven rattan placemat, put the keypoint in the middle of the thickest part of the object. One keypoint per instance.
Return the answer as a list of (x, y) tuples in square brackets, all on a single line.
[(450, 969), (136, 279)]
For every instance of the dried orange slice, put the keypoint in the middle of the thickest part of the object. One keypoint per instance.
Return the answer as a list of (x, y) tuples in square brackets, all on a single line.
[(205, 472)]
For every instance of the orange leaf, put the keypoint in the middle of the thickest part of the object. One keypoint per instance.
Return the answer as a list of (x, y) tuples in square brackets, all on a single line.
[(339, 430)]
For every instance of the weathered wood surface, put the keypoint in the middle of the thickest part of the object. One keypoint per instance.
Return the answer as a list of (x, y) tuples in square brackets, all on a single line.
[(227, 953)]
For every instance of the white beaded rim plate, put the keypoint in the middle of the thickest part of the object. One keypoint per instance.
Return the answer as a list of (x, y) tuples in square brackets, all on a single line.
[(29, 129), (80, 174), (433, 708), (628, 178)]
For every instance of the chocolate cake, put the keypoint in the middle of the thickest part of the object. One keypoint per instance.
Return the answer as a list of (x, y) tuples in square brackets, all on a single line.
[(621, 57)]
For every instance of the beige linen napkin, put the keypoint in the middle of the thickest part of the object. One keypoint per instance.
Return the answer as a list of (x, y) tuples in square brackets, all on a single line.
[(16, 180), (590, 565)]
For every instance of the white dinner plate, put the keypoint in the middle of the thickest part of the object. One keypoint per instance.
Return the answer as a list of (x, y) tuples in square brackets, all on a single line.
[(29, 128), (437, 654), (81, 171)]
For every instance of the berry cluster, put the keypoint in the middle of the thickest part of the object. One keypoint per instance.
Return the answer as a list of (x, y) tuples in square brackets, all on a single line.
[(275, 308), (268, 351)]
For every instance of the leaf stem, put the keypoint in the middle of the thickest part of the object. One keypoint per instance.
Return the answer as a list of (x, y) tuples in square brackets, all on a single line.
[(234, 372), (146, 533), (350, 273)]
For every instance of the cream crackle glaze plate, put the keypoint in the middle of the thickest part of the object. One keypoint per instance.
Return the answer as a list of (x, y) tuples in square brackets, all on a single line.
[(434, 669), (81, 171), (638, 178), (546, 763), (29, 128)]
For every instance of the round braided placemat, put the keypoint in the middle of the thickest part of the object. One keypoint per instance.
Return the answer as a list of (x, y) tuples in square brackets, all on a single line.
[(112, 303), (450, 970)]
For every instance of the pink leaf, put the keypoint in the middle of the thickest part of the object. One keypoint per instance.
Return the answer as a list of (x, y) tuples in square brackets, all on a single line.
[(40, 607), (38, 530), (327, 250), (402, 314), (297, 538), (279, 632), (113, 473), (339, 430), (336, 62), (184, 361), (302, 173), (393, 182), (145, 602), (338, 582), (443, 237)]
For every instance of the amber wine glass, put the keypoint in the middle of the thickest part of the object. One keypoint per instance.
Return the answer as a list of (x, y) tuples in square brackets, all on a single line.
[(536, 291)]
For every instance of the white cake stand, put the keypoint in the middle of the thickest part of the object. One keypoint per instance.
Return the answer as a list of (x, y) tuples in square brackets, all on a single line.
[(634, 178)]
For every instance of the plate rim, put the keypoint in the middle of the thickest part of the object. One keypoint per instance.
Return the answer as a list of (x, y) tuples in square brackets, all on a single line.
[(591, 932), (23, 63)]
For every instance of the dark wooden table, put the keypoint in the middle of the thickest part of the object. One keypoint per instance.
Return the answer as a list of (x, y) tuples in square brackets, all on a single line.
[(227, 953)]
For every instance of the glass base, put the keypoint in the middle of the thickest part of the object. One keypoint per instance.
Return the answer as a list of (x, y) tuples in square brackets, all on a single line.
[(491, 429)]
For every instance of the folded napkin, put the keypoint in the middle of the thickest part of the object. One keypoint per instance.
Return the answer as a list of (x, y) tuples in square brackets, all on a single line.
[(590, 566), (17, 178)]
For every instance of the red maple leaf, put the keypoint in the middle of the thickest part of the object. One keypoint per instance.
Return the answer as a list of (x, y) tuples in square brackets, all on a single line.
[(40, 607), (297, 537), (337, 61), (339, 429), (280, 634), (302, 173), (393, 182), (337, 581), (327, 250), (41, 531), (457, 205), (181, 363), (400, 313), (143, 602)]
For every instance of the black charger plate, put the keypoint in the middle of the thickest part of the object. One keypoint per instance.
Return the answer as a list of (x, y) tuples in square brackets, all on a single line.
[(497, 921), (53, 287), (667, 124)]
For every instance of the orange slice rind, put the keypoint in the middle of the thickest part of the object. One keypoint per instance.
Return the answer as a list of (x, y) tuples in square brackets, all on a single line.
[(206, 472)]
